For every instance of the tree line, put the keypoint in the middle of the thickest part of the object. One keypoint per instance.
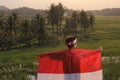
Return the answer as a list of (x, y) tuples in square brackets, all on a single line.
[(19, 32), (107, 12)]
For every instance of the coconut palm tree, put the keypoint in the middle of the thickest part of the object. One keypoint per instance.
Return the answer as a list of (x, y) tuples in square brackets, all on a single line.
[(74, 22), (59, 15), (1, 30), (1, 24), (40, 29), (67, 27), (26, 33), (91, 21), (84, 23), (10, 30), (55, 16), (1, 20), (51, 18)]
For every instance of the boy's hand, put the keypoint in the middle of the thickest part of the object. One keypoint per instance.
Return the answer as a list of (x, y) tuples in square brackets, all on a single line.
[(101, 48)]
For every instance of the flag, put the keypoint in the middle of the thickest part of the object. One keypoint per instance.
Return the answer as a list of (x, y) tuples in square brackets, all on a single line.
[(74, 64)]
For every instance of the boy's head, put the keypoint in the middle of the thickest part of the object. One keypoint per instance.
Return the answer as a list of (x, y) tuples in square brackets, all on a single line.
[(71, 42)]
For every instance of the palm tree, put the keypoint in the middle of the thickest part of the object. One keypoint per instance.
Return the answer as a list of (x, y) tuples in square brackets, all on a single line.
[(1, 24), (91, 21), (55, 16), (1, 31), (9, 31), (74, 22), (1, 21), (84, 23), (71, 24), (51, 18), (40, 29), (67, 27), (59, 14), (26, 34)]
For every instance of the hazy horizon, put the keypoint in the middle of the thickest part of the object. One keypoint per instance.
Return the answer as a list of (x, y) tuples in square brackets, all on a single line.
[(76, 5)]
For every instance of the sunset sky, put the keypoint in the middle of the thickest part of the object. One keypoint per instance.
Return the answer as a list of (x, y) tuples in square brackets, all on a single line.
[(71, 4)]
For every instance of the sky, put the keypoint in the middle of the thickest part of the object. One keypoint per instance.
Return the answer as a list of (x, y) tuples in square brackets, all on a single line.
[(71, 4)]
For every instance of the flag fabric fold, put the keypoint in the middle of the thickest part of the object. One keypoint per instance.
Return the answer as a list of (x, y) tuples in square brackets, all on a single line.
[(74, 64)]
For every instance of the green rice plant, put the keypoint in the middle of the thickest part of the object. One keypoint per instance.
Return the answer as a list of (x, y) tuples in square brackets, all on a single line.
[(111, 71), (17, 64)]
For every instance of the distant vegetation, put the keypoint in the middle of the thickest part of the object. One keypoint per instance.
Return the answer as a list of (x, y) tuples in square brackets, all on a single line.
[(107, 12), (17, 31), (29, 12)]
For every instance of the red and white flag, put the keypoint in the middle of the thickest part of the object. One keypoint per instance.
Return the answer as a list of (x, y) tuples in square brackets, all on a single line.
[(74, 64)]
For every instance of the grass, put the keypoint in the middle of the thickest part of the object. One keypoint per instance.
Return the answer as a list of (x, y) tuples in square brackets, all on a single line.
[(17, 64)]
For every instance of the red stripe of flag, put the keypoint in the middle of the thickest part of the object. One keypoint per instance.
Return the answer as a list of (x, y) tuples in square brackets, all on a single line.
[(70, 61)]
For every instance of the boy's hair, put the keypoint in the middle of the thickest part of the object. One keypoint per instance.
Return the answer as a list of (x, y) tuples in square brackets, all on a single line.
[(71, 41)]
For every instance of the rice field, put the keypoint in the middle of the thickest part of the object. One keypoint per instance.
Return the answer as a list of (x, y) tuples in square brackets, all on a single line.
[(20, 64)]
